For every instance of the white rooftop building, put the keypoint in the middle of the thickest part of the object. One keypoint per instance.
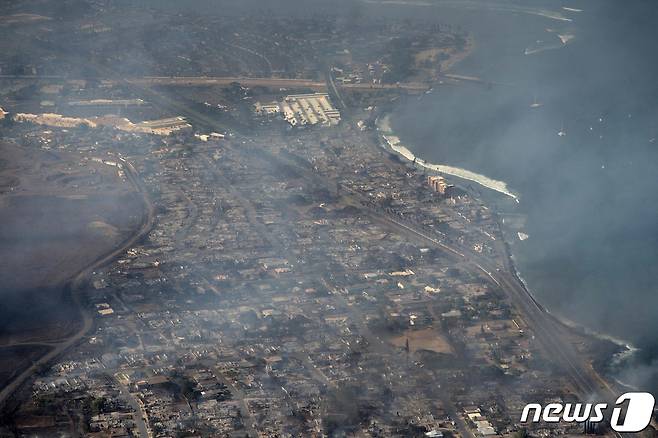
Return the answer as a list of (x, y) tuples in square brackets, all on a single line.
[(304, 109)]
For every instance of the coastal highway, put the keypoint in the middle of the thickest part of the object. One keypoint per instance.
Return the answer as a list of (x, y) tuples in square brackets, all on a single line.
[(547, 330), (269, 83), (74, 287), (550, 333), (149, 81)]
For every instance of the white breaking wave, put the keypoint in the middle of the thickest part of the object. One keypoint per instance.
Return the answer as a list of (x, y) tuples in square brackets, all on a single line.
[(490, 183)]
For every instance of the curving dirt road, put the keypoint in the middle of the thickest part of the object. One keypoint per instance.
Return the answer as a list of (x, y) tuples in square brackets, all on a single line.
[(74, 287)]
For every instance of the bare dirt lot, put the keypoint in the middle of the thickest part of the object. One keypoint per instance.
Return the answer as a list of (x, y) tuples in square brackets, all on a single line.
[(425, 339), (13, 359), (57, 216)]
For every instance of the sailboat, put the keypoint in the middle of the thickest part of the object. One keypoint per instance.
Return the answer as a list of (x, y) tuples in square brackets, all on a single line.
[(535, 104), (562, 132)]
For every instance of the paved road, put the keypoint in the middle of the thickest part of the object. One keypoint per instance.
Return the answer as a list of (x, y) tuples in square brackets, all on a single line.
[(547, 330), (138, 406), (587, 382), (237, 394), (245, 81), (273, 83)]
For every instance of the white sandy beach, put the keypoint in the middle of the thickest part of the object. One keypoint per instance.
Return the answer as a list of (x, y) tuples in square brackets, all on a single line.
[(393, 142)]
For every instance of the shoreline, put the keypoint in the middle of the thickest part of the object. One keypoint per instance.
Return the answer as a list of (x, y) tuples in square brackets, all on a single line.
[(627, 349), (394, 144), (459, 56)]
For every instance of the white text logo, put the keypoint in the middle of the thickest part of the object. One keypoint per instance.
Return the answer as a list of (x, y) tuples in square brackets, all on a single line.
[(638, 412)]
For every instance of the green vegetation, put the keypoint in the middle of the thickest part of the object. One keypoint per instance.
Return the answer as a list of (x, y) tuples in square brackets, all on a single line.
[(401, 60)]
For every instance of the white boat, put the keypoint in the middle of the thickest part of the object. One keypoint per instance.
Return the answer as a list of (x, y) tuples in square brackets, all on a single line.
[(536, 104), (562, 132)]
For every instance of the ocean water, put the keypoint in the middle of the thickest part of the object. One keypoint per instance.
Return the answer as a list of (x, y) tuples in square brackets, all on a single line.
[(569, 122)]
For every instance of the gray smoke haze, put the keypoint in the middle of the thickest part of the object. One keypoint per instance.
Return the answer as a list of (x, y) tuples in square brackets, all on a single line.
[(590, 197)]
